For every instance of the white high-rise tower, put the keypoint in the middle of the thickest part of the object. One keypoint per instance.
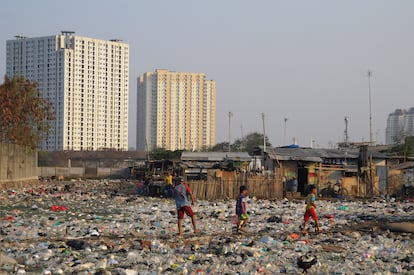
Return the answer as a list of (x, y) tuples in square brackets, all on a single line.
[(85, 80)]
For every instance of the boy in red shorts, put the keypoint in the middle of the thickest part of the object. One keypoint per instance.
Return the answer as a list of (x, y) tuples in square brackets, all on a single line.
[(310, 210), (182, 193)]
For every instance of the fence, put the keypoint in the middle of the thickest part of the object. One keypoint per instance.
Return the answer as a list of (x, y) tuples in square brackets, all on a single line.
[(395, 184), (17, 164), (261, 188)]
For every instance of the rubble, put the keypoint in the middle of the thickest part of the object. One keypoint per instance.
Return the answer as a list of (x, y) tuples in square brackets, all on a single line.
[(106, 228)]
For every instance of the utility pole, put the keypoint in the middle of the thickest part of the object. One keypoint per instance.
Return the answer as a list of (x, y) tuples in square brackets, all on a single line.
[(146, 148), (264, 133), (346, 131), (230, 115), (241, 143), (284, 132), (370, 113), (346, 140)]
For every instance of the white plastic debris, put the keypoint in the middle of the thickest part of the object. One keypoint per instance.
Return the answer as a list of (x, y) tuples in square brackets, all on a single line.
[(95, 229)]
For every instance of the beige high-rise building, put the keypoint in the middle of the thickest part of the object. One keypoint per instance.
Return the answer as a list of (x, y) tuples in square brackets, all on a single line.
[(175, 111), (86, 81)]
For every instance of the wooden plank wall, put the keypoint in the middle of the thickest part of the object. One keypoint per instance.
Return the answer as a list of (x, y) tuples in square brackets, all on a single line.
[(264, 188)]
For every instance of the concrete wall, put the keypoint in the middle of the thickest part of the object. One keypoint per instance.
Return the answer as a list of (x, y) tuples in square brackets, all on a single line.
[(17, 163), (82, 172)]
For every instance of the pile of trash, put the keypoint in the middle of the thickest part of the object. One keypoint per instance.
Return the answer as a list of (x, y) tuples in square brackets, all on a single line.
[(98, 227)]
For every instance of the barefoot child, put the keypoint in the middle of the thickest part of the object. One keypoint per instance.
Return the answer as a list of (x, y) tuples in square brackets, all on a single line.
[(241, 209), (310, 209)]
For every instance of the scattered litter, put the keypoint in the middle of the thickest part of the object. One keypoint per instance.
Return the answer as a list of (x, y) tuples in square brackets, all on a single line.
[(98, 227), (58, 208)]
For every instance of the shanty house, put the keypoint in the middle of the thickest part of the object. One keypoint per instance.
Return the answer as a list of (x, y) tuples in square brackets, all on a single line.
[(356, 170), (201, 165), (401, 179)]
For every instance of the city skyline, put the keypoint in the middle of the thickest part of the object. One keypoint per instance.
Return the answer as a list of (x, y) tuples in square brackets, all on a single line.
[(303, 65)]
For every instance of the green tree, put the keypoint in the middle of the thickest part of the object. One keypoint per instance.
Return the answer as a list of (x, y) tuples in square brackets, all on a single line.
[(398, 144), (249, 142), (220, 147), (400, 138), (24, 116), (408, 146), (161, 153)]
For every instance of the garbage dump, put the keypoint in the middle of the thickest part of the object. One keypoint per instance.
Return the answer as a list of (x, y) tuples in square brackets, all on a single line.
[(95, 227)]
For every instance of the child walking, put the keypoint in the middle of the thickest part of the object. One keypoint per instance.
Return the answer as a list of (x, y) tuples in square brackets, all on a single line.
[(182, 193), (241, 210), (310, 210)]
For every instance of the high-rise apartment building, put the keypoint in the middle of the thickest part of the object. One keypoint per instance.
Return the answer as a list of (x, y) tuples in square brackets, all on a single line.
[(176, 111), (400, 124), (85, 80)]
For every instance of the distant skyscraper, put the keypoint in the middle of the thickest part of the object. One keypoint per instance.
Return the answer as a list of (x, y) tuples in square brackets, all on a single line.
[(175, 111), (86, 81), (400, 124), (409, 122)]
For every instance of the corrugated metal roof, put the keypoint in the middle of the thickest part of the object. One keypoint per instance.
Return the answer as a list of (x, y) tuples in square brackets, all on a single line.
[(316, 155), (197, 164), (403, 166), (215, 156), (305, 154)]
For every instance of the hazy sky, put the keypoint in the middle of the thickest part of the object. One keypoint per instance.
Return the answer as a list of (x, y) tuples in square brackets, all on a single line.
[(306, 61)]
